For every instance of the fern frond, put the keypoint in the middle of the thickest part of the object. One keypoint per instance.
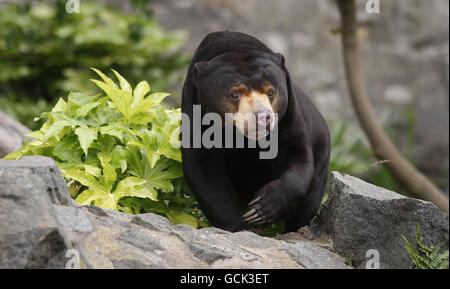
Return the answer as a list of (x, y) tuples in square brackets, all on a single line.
[(426, 257), (440, 261)]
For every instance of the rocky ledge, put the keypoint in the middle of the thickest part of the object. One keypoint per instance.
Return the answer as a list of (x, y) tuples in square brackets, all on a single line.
[(41, 227)]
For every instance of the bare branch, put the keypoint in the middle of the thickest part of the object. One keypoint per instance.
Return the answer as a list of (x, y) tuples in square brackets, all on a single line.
[(414, 181)]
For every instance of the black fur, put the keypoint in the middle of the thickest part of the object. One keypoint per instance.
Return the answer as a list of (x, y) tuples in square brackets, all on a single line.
[(288, 187)]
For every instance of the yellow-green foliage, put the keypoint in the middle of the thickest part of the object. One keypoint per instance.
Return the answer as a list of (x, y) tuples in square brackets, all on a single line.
[(118, 150)]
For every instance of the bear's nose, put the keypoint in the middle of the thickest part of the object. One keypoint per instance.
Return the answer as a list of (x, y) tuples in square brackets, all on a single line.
[(264, 116)]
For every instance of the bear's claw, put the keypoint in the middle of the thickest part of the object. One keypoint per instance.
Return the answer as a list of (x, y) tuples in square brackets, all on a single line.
[(254, 215), (264, 209)]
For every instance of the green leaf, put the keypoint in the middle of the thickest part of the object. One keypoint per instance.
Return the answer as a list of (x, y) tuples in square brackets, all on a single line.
[(87, 180), (87, 197), (167, 149), (120, 98), (124, 85), (159, 176), (139, 92), (79, 99), (60, 106), (91, 170), (110, 91), (68, 150), (104, 143), (157, 97), (178, 217), (86, 136), (36, 134), (108, 170), (106, 79), (85, 109), (119, 158), (107, 202), (56, 128), (135, 187), (115, 129), (29, 148)]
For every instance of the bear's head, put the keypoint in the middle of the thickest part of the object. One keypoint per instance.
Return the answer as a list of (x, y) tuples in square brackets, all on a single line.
[(250, 85)]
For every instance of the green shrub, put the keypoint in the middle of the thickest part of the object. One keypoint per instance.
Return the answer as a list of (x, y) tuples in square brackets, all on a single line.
[(118, 150), (44, 51)]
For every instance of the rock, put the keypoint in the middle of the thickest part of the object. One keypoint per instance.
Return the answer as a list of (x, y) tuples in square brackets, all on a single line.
[(152, 222), (251, 240), (207, 253), (73, 219), (40, 227), (214, 230), (312, 256), (12, 134), (131, 264), (139, 238), (308, 234), (359, 217), (30, 236), (44, 168)]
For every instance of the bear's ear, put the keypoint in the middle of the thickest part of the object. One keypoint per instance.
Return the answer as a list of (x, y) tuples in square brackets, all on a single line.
[(280, 59), (289, 84), (198, 68)]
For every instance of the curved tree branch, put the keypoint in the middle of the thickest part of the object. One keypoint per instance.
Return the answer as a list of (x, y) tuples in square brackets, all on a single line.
[(415, 182)]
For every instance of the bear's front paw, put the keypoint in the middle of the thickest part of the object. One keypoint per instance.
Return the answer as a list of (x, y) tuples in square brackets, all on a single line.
[(264, 209)]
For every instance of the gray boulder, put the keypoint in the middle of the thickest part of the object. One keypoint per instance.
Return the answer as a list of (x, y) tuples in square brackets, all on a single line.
[(12, 134), (30, 236), (312, 256), (40, 227), (359, 217), (43, 168)]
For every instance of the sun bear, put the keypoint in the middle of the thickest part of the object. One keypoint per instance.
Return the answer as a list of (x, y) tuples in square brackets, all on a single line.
[(234, 73)]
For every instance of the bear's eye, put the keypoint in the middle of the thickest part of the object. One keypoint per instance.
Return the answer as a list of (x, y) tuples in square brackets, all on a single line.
[(235, 95), (271, 93)]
